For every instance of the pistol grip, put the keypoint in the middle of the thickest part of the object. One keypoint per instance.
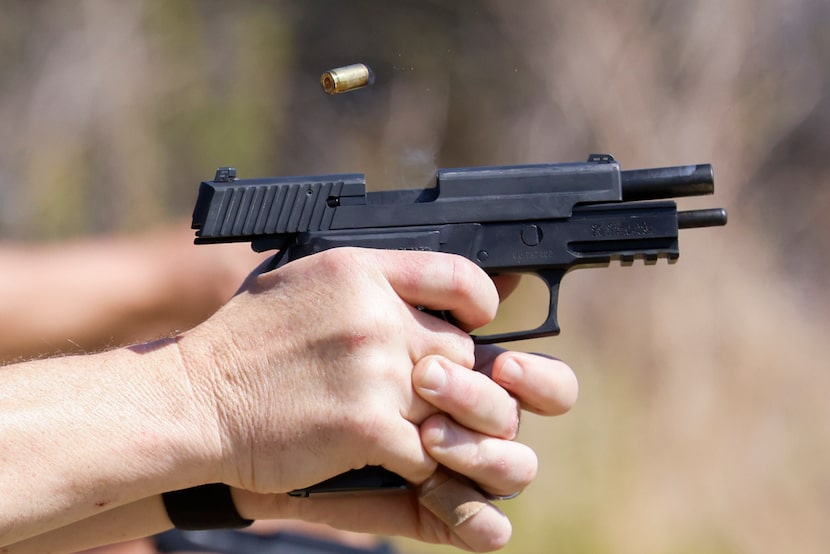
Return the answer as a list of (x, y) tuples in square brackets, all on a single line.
[(365, 479)]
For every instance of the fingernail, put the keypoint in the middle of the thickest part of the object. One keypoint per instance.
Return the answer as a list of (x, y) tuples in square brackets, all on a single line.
[(511, 372), (433, 378)]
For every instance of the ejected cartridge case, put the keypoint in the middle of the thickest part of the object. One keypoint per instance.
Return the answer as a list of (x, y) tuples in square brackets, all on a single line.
[(346, 78)]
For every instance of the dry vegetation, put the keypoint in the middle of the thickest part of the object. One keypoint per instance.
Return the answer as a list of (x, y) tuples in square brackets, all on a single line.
[(702, 424)]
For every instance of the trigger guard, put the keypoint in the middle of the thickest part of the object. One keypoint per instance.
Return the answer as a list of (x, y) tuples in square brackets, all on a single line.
[(549, 328)]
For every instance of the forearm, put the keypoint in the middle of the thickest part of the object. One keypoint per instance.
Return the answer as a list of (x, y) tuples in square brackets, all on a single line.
[(141, 518), (148, 516), (81, 435)]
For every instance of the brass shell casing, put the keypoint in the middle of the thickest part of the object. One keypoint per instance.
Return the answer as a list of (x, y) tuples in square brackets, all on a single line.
[(346, 78)]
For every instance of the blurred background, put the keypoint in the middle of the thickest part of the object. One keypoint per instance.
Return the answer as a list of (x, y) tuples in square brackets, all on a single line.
[(703, 423)]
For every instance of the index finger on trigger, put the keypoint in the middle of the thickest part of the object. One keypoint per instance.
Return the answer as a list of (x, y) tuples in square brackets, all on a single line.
[(443, 282), (506, 284)]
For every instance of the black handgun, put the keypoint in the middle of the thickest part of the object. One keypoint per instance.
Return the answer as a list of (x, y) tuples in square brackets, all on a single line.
[(544, 218)]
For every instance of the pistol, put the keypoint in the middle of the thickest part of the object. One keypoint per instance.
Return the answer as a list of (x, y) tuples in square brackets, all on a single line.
[(542, 219)]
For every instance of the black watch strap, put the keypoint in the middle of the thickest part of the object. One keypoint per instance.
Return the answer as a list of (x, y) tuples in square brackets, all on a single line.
[(203, 507)]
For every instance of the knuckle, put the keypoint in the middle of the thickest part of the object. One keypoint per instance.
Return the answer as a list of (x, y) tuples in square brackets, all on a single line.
[(458, 347), (336, 261), (462, 275)]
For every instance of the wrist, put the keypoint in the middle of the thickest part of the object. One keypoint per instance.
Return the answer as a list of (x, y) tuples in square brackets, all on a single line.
[(181, 415), (205, 363)]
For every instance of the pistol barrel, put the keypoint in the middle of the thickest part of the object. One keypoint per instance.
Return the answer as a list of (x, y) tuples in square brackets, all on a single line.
[(668, 182), (692, 219)]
